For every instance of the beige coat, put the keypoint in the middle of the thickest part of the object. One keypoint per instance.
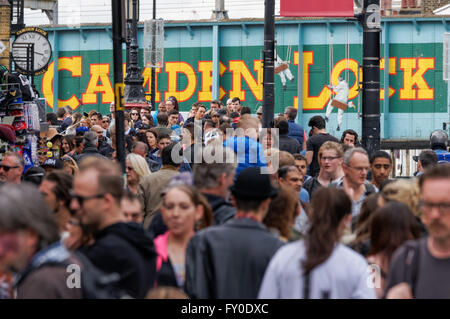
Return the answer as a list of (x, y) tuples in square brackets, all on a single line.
[(150, 190)]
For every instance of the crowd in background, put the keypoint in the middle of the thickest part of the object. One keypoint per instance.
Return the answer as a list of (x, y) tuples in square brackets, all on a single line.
[(239, 212)]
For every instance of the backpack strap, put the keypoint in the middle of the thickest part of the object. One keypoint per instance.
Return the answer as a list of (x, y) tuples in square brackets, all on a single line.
[(412, 261)]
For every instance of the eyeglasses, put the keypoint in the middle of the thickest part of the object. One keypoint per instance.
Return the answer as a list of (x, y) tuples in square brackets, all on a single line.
[(443, 208), (359, 169), (134, 113), (80, 199), (105, 121), (7, 168), (329, 158)]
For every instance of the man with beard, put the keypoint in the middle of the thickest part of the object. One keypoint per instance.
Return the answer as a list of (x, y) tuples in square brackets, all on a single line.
[(119, 247), (421, 269)]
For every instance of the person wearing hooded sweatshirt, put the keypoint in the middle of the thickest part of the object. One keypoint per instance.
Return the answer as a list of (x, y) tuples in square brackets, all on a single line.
[(119, 247)]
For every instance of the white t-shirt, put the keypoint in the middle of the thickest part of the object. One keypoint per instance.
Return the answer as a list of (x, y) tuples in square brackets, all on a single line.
[(344, 275)]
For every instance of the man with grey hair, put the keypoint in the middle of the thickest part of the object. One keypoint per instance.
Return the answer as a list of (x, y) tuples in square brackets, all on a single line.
[(90, 142), (214, 177), (355, 166), (11, 168), (30, 247)]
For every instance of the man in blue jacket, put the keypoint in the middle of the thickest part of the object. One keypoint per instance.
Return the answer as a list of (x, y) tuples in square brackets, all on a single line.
[(249, 151), (295, 130)]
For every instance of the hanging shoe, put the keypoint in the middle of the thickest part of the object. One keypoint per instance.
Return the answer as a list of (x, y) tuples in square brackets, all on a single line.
[(338, 128), (351, 105), (326, 119)]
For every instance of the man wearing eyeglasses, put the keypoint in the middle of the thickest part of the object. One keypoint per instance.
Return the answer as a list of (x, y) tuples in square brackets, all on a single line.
[(119, 247), (421, 269), (11, 168), (355, 166)]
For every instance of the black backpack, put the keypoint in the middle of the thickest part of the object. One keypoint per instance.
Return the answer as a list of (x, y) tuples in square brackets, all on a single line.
[(96, 284)]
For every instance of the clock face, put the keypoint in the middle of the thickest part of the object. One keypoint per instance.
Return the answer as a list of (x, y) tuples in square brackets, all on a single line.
[(42, 51)]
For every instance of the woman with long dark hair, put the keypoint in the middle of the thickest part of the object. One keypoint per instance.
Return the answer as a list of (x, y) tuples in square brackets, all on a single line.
[(390, 227), (172, 103), (320, 266)]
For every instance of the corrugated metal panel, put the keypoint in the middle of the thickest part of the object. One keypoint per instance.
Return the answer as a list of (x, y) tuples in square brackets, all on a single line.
[(99, 11)]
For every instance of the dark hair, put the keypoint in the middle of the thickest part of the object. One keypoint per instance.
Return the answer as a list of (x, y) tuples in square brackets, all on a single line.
[(173, 112), (78, 140), (236, 99), (234, 115), (34, 175), (142, 137), (282, 211), (166, 155), (441, 171), (191, 128), (60, 112), (317, 121), (428, 158), (246, 110), (162, 136), (149, 117), (283, 127), (380, 154), (291, 112), (52, 118), (63, 185), (299, 157), (329, 206), (392, 225), (70, 141), (174, 100), (162, 119), (362, 225), (350, 132), (247, 204), (215, 102), (283, 171)]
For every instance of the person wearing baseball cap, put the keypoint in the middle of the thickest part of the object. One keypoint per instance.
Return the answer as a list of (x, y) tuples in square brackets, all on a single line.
[(238, 251), (51, 164)]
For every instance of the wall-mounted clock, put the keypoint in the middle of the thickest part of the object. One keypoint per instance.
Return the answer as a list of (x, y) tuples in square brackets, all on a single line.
[(42, 50)]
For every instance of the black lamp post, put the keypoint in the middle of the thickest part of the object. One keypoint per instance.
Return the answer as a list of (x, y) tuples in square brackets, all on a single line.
[(134, 92)]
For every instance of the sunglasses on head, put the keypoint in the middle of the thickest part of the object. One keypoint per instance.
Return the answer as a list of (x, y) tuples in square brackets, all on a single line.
[(7, 168)]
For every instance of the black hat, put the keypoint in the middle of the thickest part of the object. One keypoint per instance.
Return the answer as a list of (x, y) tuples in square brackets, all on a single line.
[(252, 184), (53, 162)]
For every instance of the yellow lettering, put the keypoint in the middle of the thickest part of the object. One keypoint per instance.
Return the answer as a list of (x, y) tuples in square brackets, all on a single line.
[(147, 74), (414, 85), (310, 102), (98, 72), (173, 68), (205, 68), (392, 71), (341, 66), (74, 66), (47, 84), (240, 70)]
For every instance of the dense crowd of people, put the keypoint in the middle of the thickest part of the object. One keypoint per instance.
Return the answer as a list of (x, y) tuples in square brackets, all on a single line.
[(214, 206)]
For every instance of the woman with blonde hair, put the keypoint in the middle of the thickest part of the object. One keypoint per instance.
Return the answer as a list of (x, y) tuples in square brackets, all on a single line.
[(136, 167)]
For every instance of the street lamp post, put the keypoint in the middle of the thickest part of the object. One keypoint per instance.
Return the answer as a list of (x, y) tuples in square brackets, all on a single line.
[(134, 92)]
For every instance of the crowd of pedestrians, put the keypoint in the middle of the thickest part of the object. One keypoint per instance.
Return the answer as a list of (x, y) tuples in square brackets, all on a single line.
[(214, 206)]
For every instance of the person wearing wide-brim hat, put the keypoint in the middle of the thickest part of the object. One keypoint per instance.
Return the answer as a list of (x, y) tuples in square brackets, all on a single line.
[(229, 261)]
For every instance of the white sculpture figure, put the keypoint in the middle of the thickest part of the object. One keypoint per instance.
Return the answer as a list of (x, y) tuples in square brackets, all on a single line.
[(282, 69), (339, 100)]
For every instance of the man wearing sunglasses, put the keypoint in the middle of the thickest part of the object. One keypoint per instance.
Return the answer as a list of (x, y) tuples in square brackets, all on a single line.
[(119, 247), (11, 168)]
